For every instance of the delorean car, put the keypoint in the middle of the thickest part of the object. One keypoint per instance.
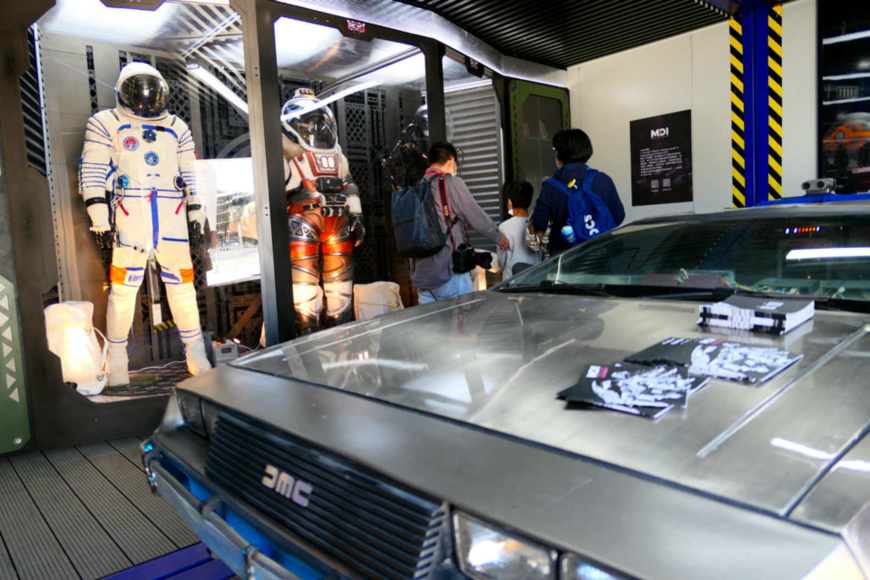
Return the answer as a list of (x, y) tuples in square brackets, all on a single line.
[(431, 443)]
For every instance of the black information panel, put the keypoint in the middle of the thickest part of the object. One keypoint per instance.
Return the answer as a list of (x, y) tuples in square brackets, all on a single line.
[(661, 159)]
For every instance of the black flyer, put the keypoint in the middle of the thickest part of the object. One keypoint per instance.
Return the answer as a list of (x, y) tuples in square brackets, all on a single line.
[(648, 391), (661, 159), (712, 357)]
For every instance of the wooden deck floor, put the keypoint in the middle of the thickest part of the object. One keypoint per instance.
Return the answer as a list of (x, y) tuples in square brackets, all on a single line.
[(82, 513)]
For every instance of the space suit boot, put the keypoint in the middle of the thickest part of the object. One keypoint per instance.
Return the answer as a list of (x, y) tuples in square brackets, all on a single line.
[(194, 352), (117, 365)]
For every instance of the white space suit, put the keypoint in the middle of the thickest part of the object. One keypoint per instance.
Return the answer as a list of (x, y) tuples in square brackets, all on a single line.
[(325, 215), (136, 171)]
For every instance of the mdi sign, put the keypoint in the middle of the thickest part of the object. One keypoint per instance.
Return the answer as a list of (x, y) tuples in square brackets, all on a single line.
[(661, 159)]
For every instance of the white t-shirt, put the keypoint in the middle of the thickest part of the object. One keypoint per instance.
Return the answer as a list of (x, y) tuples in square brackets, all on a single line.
[(514, 230)]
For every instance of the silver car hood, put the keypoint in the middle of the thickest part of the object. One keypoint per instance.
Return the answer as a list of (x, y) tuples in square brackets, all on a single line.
[(497, 361)]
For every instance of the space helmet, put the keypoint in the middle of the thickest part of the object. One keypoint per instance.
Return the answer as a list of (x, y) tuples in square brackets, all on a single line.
[(142, 91), (307, 123), (421, 124)]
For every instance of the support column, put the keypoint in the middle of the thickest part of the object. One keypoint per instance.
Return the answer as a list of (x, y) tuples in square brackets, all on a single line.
[(435, 91), (774, 101), (261, 73), (739, 147), (27, 265), (756, 105)]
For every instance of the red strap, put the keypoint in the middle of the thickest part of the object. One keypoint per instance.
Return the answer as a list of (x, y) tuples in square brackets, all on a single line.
[(445, 207)]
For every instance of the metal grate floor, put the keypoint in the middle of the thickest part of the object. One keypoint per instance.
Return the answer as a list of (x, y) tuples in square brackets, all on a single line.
[(87, 513)]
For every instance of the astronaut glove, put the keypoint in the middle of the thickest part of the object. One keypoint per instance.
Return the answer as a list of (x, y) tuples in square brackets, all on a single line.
[(196, 220), (99, 214), (357, 229)]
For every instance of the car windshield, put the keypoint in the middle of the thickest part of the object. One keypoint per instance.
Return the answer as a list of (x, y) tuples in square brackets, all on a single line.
[(822, 256)]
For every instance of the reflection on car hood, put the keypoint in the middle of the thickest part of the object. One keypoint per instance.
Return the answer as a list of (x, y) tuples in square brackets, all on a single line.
[(498, 360)]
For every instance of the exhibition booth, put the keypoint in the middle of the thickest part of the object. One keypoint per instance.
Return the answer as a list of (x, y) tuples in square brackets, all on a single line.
[(246, 85)]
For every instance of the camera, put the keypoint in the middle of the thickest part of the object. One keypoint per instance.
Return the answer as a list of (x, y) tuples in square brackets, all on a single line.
[(823, 185), (465, 258)]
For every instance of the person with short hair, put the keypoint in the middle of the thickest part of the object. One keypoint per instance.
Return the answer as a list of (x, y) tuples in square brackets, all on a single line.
[(573, 149), (519, 197), (434, 276)]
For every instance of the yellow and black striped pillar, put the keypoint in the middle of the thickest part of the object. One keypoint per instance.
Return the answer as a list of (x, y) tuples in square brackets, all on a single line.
[(774, 86), (738, 125)]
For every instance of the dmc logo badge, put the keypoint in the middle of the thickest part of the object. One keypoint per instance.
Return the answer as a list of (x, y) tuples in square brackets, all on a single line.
[(285, 484), (656, 133)]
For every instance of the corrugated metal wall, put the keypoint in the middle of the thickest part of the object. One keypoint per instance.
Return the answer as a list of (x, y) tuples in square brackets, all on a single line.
[(477, 133)]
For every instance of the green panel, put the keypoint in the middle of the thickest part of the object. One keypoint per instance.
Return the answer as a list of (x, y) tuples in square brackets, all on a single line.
[(14, 420), (519, 92)]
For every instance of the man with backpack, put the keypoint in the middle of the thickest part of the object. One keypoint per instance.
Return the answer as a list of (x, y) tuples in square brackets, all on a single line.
[(435, 276), (577, 196)]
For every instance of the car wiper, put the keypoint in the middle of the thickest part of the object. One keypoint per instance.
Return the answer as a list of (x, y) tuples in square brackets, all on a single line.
[(557, 287), (718, 293), (822, 302), (678, 293)]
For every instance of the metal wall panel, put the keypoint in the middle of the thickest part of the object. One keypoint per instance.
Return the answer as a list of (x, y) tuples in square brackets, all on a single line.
[(477, 133), (33, 106)]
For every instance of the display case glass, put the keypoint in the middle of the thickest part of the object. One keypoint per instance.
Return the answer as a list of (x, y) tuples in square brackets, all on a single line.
[(347, 100), (162, 159)]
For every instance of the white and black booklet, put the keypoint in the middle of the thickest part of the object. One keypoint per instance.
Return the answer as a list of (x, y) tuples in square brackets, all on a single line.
[(773, 315), (712, 357), (648, 391)]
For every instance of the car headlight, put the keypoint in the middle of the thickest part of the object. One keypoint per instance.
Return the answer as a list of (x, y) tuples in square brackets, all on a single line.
[(487, 553), (199, 415), (573, 568)]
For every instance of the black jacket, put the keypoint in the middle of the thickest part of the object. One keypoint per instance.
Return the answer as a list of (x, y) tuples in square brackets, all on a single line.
[(553, 205)]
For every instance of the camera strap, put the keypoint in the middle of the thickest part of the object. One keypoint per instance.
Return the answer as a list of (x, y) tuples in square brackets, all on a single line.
[(445, 207)]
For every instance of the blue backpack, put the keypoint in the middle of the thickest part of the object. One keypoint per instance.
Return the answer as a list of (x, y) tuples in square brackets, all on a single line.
[(588, 215), (415, 221)]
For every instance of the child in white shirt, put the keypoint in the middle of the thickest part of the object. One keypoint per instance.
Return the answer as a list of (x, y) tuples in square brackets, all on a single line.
[(519, 198)]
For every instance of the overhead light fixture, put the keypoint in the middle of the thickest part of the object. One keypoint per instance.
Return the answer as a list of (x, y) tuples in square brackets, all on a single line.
[(846, 37), (843, 101), (107, 21), (828, 253), (137, 4)]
